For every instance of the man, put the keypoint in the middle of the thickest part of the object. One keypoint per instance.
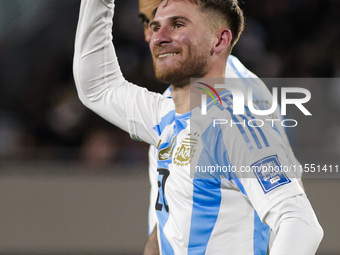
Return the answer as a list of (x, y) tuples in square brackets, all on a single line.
[(147, 10), (234, 69), (195, 215)]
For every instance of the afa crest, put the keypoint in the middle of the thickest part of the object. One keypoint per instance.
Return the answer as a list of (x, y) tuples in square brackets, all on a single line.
[(186, 151)]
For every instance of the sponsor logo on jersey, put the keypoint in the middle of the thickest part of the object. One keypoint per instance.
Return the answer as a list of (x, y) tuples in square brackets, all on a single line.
[(269, 173), (166, 153), (186, 151)]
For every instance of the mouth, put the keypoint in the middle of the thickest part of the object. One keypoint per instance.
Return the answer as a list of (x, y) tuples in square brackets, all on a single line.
[(167, 55)]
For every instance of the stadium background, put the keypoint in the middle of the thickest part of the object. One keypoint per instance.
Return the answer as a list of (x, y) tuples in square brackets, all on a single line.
[(70, 183)]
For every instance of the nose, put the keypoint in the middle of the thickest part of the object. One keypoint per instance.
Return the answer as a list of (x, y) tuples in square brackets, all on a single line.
[(161, 36)]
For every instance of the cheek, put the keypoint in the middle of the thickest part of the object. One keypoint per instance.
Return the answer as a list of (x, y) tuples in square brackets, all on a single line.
[(151, 47), (187, 41), (151, 44), (147, 34)]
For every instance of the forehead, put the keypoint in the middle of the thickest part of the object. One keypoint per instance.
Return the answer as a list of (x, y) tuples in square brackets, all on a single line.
[(147, 7), (183, 8)]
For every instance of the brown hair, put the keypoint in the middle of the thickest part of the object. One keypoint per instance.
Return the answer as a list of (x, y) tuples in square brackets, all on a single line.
[(228, 10)]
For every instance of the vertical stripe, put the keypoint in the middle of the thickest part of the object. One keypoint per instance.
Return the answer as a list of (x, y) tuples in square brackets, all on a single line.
[(206, 205), (206, 192), (237, 181), (163, 217), (166, 247), (252, 132), (258, 128), (261, 236), (180, 123), (241, 129)]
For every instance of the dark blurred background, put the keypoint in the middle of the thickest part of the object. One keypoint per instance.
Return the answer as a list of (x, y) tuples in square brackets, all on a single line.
[(41, 117), (46, 131)]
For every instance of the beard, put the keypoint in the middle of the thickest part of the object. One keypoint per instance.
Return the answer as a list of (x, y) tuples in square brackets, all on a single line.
[(195, 66)]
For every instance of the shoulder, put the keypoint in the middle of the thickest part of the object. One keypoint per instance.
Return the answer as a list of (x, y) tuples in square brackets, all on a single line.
[(235, 69), (167, 92)]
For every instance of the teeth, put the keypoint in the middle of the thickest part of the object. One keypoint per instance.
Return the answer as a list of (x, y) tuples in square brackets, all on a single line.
[(166, 55)]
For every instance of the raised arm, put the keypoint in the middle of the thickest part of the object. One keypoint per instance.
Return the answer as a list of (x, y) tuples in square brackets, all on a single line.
[(95, 65), (99, 81)]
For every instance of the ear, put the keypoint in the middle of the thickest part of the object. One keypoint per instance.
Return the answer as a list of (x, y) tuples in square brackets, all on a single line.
[(223, 40)]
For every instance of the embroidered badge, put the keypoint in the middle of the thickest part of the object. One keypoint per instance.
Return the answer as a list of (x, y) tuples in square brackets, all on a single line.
[(186, 151), (269, 173), (166, 153)]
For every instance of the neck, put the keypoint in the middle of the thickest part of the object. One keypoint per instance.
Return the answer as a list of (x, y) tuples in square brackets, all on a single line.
[(181, 94), (181, 97)]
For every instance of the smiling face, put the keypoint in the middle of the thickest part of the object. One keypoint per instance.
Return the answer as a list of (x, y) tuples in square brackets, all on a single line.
[(181, 44)]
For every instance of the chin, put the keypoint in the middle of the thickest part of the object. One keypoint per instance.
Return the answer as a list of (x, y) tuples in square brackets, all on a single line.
[(177, 77), (179, 74)]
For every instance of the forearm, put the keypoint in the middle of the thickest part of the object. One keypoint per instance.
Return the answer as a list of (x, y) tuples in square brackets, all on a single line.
[(96, 70), (94, 49), (100, 84), (297, 229)]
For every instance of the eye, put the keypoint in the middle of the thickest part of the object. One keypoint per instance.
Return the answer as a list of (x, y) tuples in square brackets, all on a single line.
[(178, 25), (155, 28), (145, 21)]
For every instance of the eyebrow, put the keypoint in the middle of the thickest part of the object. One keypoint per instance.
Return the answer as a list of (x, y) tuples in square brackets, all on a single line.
[(143, 17), (174, 18)]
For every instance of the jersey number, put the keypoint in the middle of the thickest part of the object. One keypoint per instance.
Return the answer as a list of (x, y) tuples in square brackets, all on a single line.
[(161, 188)]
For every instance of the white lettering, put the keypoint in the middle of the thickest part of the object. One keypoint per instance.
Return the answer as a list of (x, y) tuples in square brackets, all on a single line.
[(297, 101)]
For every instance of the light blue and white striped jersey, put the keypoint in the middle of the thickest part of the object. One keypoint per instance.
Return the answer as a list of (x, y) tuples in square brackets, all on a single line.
[(262, 99), (210, 216), (222, 213)]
